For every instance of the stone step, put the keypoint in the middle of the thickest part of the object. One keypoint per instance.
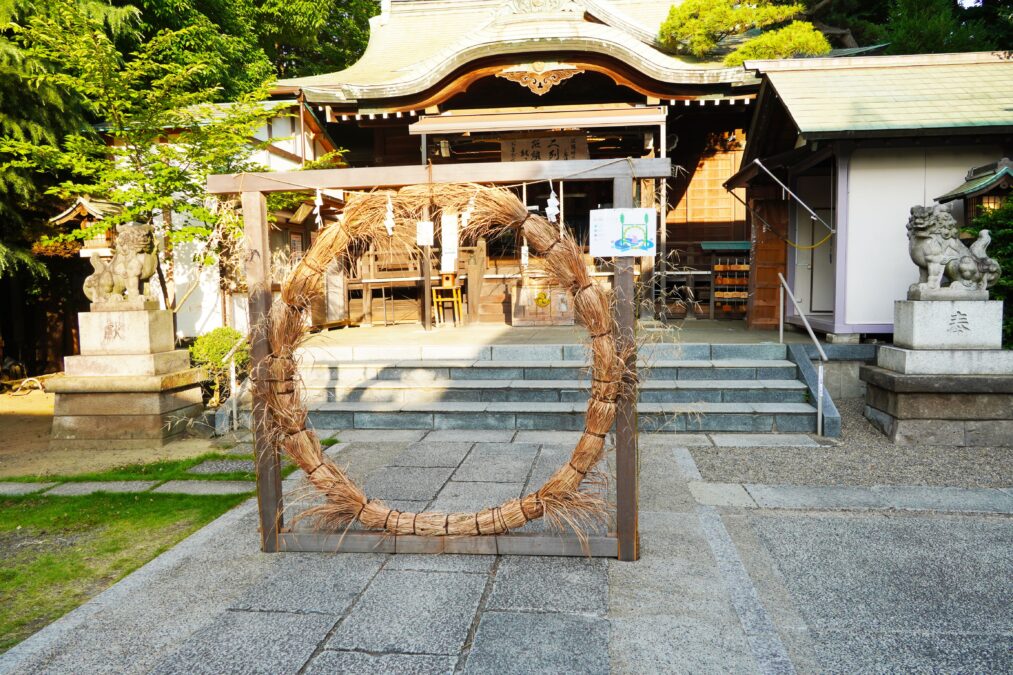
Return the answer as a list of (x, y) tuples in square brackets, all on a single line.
[(316, 374), (649, 352), (550, 391), (561, 416)]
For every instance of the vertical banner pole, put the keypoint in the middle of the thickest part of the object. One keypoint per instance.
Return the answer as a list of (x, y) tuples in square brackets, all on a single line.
[(627, 457), (427, 279), (258, 279)]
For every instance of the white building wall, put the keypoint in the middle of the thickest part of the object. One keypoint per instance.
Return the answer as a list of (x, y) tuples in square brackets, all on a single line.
[(883, 185), (201, 311)]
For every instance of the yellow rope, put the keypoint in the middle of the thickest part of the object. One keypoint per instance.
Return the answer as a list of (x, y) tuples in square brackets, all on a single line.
[(800, 247)]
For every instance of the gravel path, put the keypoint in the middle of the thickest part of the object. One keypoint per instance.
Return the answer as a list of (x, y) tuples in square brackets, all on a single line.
[(862, 456)]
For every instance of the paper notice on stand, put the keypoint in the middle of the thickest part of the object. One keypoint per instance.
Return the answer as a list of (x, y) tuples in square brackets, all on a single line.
[(448, 263), (624, 232), (448, 233), (424, 233)]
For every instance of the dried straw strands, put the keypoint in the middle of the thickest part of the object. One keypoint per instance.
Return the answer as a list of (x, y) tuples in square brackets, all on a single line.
[(491, 210)]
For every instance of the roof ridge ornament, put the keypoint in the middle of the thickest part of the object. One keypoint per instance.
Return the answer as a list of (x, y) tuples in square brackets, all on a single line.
[(540, 6), (539, 76)]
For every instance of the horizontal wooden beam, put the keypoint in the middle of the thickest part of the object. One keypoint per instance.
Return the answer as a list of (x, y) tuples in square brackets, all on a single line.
[(510, 544), (397, 176)]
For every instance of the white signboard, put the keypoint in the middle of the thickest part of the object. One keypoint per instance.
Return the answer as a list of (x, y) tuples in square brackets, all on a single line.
[(448, 233), (624, 232), (424, 233)]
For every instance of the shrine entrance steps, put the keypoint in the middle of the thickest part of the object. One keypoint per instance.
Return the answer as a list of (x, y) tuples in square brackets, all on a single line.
[(684, 387)]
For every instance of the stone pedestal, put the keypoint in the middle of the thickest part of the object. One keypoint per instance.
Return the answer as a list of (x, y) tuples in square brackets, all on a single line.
[(129, 388), (947, 324), (941, 385)]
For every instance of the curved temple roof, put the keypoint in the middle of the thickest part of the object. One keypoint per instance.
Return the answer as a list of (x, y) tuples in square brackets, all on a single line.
[(414, 44)]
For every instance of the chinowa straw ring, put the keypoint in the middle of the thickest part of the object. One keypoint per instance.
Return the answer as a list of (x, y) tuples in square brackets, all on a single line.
[(491, 211)]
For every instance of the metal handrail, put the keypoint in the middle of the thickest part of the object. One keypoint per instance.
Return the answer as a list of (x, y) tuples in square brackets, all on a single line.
[(233, 394), (812, 336)]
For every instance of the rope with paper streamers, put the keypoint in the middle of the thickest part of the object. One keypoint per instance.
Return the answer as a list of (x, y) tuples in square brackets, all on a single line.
[(574, 495)]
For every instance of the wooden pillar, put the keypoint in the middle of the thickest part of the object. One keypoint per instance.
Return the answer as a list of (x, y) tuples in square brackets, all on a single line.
[(368, 272), (646, 308), (258, 279), (476, 274), (627, 457)]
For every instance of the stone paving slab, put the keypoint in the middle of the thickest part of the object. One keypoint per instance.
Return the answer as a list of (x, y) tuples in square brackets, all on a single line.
[(328, 662), (763, 440), (824, 497), (950, 499), (902, 497), (471, 435), (547, 584), (677, 644), (312, 582), (415, 483), (87, 488), (249, 642), (721, 494), (464, 497), (933, 589), (648, 440), (378, 435), (433, 454), (524, 643), (472, 564), (206, 487), (498, 463), (223, 466), (549, 437), (412, 612), (13, 489)]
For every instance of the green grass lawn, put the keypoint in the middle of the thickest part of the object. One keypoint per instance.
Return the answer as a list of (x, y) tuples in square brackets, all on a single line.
[(57, 552), (158, 471)]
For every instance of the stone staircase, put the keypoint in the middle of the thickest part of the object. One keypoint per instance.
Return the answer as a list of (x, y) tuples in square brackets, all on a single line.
[(684, 388)]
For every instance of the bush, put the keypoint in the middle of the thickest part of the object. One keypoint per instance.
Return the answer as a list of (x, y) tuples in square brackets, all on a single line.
[(999, 223), (208, 351)]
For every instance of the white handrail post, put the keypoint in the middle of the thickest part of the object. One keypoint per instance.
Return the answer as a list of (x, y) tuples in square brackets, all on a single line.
[(780, 313), (233, 394), (819, 401)]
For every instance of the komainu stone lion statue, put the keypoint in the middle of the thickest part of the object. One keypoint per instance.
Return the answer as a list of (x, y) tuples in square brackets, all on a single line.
[(125, 277), (948, 270)]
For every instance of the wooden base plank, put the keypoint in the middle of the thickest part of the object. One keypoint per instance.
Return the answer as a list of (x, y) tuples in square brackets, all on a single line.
[(513, 544)]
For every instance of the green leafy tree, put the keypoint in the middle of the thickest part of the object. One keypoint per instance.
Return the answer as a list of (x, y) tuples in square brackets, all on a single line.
[(999, 223), (935, 26), (40, 112), (696, 27), (160, 137), (326, 36), (221, 36), (799, 38)]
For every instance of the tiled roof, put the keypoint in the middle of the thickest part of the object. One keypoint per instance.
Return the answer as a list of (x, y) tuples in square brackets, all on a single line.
[(877, 95), (417, 43), (982, 179)]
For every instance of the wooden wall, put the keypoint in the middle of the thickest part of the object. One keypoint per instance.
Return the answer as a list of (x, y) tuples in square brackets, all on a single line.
[(769, 256)]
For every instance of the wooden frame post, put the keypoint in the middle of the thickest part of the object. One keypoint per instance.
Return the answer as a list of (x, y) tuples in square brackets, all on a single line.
[(627, 457), (624, 544), (258, 281)]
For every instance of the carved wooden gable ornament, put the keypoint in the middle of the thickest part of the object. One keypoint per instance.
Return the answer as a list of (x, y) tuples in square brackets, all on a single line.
[(539, 76)]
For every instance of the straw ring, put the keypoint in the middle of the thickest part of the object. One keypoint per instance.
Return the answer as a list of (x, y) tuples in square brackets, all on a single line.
[(561, 498)]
